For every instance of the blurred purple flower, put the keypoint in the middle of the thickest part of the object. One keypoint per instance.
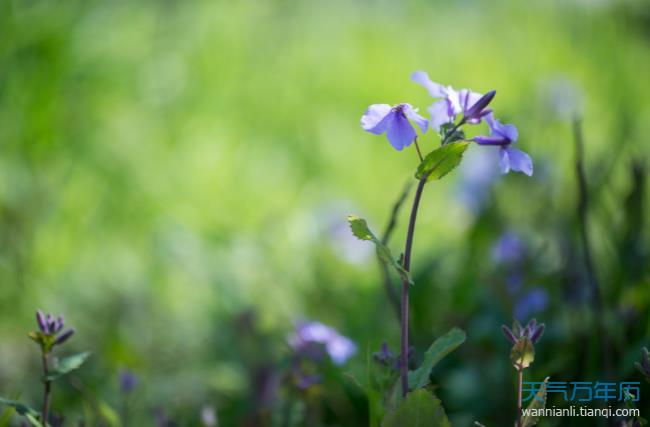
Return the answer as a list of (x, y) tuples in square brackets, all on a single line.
[(562, 96), (128, 381), (209, 416), (534, 301), (338, 347), (336, 230), (304, 381), (533, 331), (384, 356), (453, 103), (394, 121), (50, 327), (509, 249), (504, 136), (477, 175)]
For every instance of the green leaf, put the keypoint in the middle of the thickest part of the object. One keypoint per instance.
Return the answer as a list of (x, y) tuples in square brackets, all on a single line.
[(68, 365), (440, 348), (33, 420), (108, 414), (24, 410), (441, 161), (419, 409), (538, 402), (374, 397), (361, 231), (522, 353)]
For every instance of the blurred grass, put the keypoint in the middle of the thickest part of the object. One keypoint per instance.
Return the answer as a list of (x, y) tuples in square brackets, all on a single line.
[(165, 165)]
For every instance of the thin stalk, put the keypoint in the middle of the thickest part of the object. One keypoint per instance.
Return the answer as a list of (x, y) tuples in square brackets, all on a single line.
[(404, 344), (520, 381), (582, 213), (417, 148), (46, 389), (404, 331)]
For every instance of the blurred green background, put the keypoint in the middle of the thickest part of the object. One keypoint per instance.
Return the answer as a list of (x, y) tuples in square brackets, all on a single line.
[(175, 176)]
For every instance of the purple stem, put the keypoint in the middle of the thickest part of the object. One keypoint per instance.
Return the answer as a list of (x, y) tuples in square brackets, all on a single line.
[(404, 345), (404, 341)]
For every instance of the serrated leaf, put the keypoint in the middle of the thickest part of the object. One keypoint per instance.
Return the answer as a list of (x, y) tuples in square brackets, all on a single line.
[(30, 413), (522, 353), (440, 348), (441, 161), (419, 409), (67, 365), (360, 229), (538, 402)]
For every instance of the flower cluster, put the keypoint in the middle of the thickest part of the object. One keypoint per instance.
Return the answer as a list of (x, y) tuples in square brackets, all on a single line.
[(49, 331), (311, 338), (532, 331), (471, 107)]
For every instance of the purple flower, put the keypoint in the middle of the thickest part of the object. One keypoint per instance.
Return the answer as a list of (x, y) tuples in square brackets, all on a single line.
[(534, 301), (532, 331), (509, 249), (308, 334), (49, 328), (454, 102), (384, 356), (128, 381), (505, 136), (209, 416), (394, 121)]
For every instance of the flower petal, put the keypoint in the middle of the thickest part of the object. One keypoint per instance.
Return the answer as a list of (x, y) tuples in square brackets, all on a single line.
[(436, 90), (454, 100), (498, 129), (400, 132), (439, 114), (504, 160), (412, 114), (519, 161), (375, 119)]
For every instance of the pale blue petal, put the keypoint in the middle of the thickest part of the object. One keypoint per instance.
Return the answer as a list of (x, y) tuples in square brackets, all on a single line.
[(400, 132), (454, 100), (510, 132), (412, 114), (439, 114), (498, 129), (376, 118), (519, 161), (504, 160), (435, 90)]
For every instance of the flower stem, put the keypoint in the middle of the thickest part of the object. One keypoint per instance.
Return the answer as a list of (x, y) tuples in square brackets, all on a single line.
[(46, 390), (404, 332), (404, 344), (417, 148), (520, 378)]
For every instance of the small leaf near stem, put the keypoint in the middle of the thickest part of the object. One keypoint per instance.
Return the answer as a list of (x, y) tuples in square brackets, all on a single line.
[(361, 231)]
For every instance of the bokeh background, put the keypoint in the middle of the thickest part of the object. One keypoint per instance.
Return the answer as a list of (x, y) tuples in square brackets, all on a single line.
[(175, 177)]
